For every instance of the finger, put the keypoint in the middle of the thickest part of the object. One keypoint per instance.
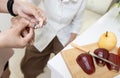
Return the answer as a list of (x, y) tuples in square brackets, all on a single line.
[(30, 18), (22, 14), (39, 14), (14, 21), (29, 15), (32, 40), (40, 24), (29, 36), (32, 25), (42, 20), (34, 20), (24, 33), (23, 23)]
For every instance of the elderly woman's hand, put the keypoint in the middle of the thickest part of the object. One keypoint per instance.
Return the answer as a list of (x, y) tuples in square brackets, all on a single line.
[(12, 38), (25, 32)]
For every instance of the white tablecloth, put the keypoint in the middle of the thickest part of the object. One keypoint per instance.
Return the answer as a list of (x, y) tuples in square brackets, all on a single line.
[(109, 22)]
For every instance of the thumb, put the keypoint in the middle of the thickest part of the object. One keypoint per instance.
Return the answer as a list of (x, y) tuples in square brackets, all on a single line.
[(29, 36), (22, 24)]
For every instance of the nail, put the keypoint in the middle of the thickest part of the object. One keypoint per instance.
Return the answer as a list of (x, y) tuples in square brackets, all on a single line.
[(41, 23), (35, 26)]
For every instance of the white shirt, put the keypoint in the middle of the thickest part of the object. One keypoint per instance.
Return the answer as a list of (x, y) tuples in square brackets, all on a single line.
[(62, 20)]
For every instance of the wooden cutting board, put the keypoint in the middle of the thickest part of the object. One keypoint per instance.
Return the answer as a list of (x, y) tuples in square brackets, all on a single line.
[(70, 56)]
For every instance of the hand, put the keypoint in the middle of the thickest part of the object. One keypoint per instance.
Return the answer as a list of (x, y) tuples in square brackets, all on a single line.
[(24, 33), (72, 37), (28, 11), (12, 38)]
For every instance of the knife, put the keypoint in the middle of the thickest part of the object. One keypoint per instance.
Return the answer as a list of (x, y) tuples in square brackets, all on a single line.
[(92, 53)]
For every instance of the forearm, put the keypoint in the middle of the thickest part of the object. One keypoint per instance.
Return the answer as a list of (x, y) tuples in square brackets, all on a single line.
[(73, 36), (3, 6), (2, 40)]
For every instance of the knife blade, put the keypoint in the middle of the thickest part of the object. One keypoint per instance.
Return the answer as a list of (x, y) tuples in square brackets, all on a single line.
[(94, 55), (91, 53)]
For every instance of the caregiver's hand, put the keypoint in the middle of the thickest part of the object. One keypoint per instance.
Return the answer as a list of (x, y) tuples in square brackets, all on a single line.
[(12, 38)]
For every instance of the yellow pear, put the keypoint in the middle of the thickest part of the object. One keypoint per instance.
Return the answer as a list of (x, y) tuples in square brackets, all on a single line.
[(108, 41)]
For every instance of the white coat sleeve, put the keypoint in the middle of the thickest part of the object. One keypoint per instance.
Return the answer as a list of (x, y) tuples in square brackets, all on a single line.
[(77, 21)]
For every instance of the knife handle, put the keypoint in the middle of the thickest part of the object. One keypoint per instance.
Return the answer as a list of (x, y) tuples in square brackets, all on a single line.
[(78, 47)]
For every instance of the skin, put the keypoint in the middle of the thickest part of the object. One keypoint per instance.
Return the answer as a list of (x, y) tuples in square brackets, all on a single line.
[(72, 37), (29, 15), (24, 9), (12, 38)]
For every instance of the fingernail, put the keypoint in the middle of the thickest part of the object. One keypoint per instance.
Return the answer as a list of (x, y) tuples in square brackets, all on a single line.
[(41, 23), (35, 26)]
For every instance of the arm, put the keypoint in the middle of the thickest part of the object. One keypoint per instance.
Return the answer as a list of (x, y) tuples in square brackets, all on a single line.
[(3, 6), (77, 22), (24, 9)]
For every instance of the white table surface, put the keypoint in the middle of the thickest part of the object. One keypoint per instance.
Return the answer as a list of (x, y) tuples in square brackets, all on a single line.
[(105, 23)]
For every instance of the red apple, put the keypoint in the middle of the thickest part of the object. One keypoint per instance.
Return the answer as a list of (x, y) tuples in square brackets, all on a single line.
[(103, 53), (116, 60), (85, 61)]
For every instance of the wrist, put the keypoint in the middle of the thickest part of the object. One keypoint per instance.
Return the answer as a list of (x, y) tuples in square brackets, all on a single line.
[(17, 6), (10, 7)]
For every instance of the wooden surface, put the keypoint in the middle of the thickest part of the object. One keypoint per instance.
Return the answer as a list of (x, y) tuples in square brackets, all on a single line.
[(70, 56)]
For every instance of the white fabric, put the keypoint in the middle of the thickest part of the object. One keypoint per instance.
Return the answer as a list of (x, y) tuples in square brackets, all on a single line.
[(98, 6), (89, 18), (62, 20), (66, 1), (91, 35)]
